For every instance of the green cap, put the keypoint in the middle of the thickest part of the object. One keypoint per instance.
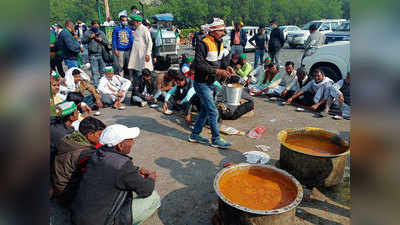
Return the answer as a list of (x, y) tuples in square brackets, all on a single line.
[(189, 59), (242, 56), (65, 108), (267, 59), (136, 17), (108, 69), (55, 74)]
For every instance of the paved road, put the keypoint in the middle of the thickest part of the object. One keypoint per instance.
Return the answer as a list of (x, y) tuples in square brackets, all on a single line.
[(186, 171)]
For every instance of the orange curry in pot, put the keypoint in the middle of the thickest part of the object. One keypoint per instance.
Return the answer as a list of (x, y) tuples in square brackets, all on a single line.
[(258, 188)]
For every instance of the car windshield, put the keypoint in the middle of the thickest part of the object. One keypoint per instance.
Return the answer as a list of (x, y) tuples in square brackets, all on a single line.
[(343, 27), (307, 26)]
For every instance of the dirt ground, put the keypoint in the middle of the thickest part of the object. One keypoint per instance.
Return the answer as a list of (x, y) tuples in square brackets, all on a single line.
[(186, 171)]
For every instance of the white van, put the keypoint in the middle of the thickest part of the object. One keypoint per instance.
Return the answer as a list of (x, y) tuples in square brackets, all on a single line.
[(333, 59), (324, 26), (250, 31)]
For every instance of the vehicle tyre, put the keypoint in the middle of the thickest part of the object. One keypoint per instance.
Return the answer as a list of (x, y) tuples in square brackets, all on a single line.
[(330, 72)]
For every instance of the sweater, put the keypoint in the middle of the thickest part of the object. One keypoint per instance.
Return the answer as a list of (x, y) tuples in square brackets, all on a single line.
[(122, 38), (68, 45)]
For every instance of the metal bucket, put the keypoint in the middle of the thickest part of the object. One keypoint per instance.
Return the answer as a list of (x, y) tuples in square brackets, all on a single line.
[(233, 94), (231, 213), (313, 170)]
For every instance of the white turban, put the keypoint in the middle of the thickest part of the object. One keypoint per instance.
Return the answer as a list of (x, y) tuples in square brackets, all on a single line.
[(217, 24)]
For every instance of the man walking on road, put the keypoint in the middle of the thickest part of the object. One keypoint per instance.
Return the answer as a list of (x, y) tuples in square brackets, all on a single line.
[(96, 40), (210, 62), (238, 39), (275, 43)]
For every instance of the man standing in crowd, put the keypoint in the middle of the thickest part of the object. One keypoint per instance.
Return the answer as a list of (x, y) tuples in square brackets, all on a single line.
[(109, 22), (276, 42), (68, 45), (198, 36), (261, 40), (238, 39), (315, 39), (105, 194), (122, 44), (140, 57), (80, 28), (96, 41), (210, 62)]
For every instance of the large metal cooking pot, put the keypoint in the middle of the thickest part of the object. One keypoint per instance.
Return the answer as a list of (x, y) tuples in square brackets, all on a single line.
[(313, 170), (233, 94), (232, 213)]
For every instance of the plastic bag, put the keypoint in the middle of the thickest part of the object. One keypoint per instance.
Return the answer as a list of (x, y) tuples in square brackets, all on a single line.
[(256, 132)]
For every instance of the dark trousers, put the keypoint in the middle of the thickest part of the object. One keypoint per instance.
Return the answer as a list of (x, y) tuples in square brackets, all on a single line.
[(275, 56), (308, 100), (56, 63), (187, 106), (240, 111)]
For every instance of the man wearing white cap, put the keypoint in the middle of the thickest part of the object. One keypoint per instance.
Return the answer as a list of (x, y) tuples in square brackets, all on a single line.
[(113, 88), (210, 62), (105, 194)]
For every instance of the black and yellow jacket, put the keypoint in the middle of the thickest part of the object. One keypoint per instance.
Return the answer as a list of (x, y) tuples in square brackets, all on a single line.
[(210, 55)]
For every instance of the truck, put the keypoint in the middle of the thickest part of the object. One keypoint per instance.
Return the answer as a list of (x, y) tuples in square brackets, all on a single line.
[(165, 45)]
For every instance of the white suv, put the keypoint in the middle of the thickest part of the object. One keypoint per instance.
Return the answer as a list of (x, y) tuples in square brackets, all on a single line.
[(324, 26), (333, 59)]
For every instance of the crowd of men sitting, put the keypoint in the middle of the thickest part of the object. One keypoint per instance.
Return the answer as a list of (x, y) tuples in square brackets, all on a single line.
[(86, 153)]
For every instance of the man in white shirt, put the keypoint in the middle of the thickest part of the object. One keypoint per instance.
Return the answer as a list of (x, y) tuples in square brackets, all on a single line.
[(288, 80), (113, 89), (109, 22), (316, 92)]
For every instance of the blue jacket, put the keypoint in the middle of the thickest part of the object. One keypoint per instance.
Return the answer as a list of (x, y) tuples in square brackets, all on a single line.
[(243, 37), (122, 38), (69, 46)]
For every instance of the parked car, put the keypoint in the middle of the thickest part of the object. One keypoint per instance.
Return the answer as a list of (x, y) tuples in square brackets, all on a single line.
[(289, 29), (333, 59), (341, 33), (297, 39), (250, 31)]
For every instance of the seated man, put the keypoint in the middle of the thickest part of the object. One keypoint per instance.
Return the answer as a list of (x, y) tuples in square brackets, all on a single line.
[(231, 112), (267, 82), (165, 82), (113, 89), (185, 67), (61, 126), (234, 60), (182, 97), (83, 108), (81, 85), (144, 89), (190, 73), (243, 69), (301, 81), (105, 194), (288, 79), (92, 129), (340, 96), (315, 92), (255, 75)]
